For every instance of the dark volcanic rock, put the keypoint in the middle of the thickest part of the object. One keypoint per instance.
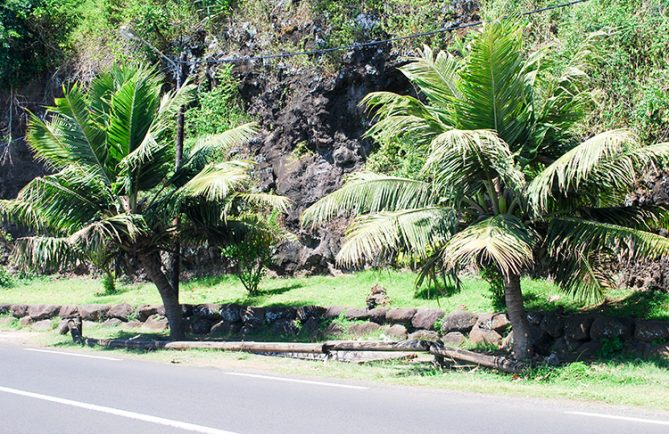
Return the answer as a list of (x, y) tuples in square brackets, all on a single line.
[(38, 312), (426, 318), (459, 321), (143, 312), (307, 312), (650, 331), (363, 329), (424, 335), (354, 313), (120, 311), (94, 312), (402, 315), (608, 328), (480, 336), (578, 327), (279, 313), (453, 339), (231, 313), (19, 310), (210, 312), (68, 311)]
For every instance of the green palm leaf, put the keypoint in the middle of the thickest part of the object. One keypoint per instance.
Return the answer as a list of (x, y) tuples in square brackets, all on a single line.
[(414, 231), (501, 240), (368, 192), (435, 76)]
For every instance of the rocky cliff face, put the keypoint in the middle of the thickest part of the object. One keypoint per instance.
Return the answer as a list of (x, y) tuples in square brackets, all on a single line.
[(312, 138)]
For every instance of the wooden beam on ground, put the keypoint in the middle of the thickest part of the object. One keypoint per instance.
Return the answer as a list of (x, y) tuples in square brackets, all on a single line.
[(376, 346), (251, 347), (487, 361)]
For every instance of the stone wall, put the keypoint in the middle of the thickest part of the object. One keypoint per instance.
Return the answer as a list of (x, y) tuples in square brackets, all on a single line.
[(562, 337)]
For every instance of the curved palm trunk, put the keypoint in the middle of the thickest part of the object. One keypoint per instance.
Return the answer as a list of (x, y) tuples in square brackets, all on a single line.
[(154, 270), (522, 347)]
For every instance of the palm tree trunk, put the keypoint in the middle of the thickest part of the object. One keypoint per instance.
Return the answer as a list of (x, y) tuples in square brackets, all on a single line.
[(154, 270), (522, 347)]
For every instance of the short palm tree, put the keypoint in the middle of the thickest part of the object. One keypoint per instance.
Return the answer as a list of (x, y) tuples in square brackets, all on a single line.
[(505, 177), (115, 188)]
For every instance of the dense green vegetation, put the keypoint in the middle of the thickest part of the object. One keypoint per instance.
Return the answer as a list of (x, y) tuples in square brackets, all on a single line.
[(506, 182)]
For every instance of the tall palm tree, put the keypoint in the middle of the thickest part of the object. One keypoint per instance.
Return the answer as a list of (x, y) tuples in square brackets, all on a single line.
[(505, 177), (115, 188)]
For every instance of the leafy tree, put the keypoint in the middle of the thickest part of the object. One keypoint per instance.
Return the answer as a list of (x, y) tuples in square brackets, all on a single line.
[(115, 188), (505, 182), (252, 251)]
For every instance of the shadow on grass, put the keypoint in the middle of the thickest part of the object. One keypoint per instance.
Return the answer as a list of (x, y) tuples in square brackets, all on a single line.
[(254, 300), (641, 304)]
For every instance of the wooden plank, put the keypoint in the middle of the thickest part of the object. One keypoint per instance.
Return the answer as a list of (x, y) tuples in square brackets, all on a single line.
[(493, 362)]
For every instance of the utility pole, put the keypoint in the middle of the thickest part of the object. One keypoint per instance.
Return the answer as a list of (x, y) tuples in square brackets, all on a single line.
[(181, 71)]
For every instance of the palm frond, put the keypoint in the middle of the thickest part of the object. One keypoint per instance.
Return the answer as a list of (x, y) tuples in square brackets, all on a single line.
[(494, 93), (580, 237), (413, 230), (464, 159), (585, 162), (45, 253), (501, 240), (435, 76), (216, 181), (265, 200), (369, 193)]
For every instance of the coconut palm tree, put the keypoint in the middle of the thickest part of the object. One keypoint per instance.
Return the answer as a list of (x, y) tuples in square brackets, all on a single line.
[(505, 179), (115, 188)]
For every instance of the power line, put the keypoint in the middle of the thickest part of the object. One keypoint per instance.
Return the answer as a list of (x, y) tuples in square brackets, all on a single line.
[(363, 45)]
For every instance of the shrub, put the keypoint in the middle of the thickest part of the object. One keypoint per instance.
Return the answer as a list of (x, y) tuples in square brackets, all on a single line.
[(5, 278)]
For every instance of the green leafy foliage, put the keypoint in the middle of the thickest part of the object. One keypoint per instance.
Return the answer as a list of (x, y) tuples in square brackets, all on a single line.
[(219, 108), (252, 251), (34, 36), (6, 279)]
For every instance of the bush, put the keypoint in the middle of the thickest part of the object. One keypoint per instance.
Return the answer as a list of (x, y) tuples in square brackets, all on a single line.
[(5, 278), (253, 251)]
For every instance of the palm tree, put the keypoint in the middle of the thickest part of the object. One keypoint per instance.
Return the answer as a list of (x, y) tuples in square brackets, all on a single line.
[(505, 181), (115, 189)]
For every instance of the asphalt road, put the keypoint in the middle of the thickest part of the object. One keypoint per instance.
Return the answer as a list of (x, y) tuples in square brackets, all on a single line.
[(50, 392)]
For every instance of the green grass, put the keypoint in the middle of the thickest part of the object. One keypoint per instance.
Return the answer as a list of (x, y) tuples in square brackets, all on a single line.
[(347, 290)]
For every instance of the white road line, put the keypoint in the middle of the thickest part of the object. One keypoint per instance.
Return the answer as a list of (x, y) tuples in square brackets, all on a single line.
[(60, 353), (627, 418), (294, 380), (116, 412)]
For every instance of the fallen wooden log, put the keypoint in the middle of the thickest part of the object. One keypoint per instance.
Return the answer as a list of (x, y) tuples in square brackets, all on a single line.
[(251, 347), (493, 362), (125, 343), (376, 346)]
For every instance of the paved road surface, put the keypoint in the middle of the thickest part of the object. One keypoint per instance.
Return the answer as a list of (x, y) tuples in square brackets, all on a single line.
[(45, 391)]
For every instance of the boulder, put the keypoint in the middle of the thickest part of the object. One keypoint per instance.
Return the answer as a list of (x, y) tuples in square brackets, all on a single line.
[(132, 324), (253, 317), (225, 329), (284, 327), (63, 327), (552, 324), (94, 312), (209, 312), (535, 318), (333, 312), (112, 322), (334, 329), (38, 312), (378, 314), (363, 329), (200, 325), (608, 328), (68, 311), (276, 313), (356, 314), (311, 328), (459, 321), (307, 312), (424, 335), (402, 315), (19, 310), (377, 297), (578, 327), (156, 322), (120, 311), (231, 313), (396, 331), (650, 330), (454, 339), (496, 321), (588, 350), (482, 336), (564, 345), (4, 308), (426, 318), (25, 321), (43, 325), (144, 311)]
